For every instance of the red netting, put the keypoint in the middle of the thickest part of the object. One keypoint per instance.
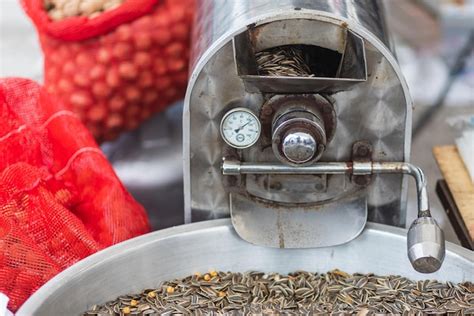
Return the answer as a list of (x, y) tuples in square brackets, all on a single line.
[(117, 69), (60, 200)]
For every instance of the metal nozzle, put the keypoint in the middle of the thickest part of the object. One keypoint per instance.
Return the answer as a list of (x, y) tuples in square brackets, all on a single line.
[(425, 245)]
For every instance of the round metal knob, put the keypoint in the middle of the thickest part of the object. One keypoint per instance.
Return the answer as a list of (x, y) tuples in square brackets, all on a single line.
[(299, 147), (298, 136)]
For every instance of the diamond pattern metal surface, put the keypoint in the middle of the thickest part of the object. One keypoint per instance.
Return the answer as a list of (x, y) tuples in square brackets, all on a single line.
[(378, 110)]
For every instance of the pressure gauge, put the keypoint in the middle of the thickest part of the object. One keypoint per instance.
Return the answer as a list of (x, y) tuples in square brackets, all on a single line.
[(240, 128)]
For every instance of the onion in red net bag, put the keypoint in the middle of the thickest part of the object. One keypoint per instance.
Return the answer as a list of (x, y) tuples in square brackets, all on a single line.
[(60, 199), (118, 68)]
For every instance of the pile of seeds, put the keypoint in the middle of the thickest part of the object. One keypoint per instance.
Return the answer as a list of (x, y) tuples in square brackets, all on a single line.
[(218, 293), (60, 9), (283, 61)]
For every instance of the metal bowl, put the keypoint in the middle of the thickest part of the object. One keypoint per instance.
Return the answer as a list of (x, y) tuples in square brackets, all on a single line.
[(145, 261)]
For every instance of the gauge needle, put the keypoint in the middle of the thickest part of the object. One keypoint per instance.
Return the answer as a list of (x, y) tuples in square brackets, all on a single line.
[(238, 130)]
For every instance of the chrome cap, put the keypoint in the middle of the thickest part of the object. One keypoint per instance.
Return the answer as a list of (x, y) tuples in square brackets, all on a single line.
[(299, 147)]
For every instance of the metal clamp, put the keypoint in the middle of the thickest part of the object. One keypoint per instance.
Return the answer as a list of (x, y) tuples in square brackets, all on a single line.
[(425, 241)]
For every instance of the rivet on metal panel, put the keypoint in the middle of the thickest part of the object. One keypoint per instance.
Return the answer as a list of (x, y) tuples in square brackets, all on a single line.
[(361, 153), (275, 185)]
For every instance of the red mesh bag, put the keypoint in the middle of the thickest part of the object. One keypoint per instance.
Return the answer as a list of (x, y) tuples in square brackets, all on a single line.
[(115, 70), (60, 200)]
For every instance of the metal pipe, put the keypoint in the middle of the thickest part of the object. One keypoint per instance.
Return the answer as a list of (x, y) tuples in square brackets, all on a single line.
[(416, 173), (237, 168), (231, 167)]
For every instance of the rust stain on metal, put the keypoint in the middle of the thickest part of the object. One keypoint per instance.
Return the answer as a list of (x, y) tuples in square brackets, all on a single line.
[(278, 206), (350, 166), (281, 237), (254, 33)]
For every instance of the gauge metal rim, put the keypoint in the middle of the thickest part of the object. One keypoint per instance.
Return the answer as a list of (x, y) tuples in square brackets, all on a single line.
[(228, 113)]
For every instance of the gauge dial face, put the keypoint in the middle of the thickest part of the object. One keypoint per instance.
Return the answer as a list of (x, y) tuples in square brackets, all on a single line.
[(240, 128)]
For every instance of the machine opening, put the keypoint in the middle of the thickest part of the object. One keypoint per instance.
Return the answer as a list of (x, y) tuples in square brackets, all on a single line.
[(293, 56), (298, 61)]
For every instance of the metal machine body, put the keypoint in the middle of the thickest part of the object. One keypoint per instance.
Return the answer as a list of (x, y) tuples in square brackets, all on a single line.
[(351, 109)]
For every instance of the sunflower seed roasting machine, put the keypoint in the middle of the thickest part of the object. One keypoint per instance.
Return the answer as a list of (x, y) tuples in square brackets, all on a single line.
[(297, 125)]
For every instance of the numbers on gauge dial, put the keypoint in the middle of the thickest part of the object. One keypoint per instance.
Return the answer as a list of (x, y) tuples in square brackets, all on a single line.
[(240, 128)]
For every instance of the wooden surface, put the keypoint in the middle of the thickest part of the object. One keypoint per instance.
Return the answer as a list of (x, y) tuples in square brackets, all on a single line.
[(452, 211), (459, 182)]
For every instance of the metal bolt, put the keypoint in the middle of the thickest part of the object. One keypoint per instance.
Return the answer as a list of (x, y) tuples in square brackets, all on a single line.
[(361, 180), (275, 186), (362, 151), (267, 111), (319, 186)]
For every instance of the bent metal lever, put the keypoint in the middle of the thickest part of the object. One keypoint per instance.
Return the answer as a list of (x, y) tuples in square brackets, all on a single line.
[(425, 240)]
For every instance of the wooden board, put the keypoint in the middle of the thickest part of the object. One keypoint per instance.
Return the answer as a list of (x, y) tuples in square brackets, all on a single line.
[(459, 182)]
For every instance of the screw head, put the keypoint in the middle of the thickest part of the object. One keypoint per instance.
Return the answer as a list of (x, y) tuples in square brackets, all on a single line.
[(267, 110), (362, 151)]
